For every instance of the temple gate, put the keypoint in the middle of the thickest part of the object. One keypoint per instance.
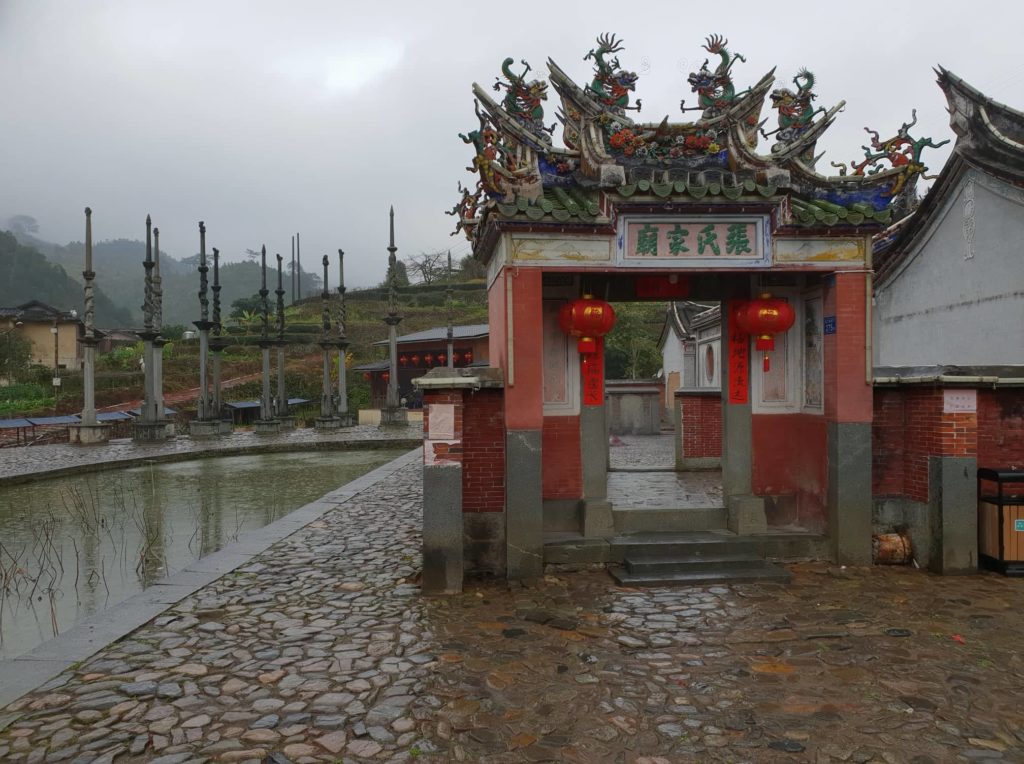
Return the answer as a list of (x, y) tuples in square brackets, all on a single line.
[(658, 211)]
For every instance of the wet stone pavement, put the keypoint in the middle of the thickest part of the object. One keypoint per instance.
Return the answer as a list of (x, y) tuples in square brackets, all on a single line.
[(322, 650)]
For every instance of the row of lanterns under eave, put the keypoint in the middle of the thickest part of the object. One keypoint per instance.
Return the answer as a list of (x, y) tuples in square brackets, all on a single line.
[(428, 360)]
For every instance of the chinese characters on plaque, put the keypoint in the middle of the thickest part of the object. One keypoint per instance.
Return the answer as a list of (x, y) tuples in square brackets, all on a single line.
[(694, 238), (593, 376)]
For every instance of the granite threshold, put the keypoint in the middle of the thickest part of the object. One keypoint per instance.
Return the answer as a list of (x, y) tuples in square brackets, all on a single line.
[(31, 670)]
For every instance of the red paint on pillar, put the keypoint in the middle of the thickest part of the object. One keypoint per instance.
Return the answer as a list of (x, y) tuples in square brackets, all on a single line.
[(497, 339), (561, 468), (739, 357), (524, 371), (848, 394), (593, 375), (789, 460)]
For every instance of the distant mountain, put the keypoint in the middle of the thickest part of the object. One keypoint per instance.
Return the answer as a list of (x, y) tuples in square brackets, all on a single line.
[(119, 273), (26, 274)]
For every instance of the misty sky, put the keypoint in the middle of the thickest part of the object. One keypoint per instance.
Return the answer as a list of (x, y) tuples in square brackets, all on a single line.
[(266, 118)]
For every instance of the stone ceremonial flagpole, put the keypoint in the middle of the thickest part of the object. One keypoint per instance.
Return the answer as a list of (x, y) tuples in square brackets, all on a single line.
[(149, 427), (394, 413), (206, 422), (281, 414), (266, 423), (342, 409), (158, 327), (217, 345), (89, 431), (448, 305), (326, 420)]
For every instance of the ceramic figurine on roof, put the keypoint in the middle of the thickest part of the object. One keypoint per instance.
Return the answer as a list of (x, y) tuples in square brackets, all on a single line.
[(501, 173), (714, 89), (465, 211), (797, 132), (611, 85), (523, 99)]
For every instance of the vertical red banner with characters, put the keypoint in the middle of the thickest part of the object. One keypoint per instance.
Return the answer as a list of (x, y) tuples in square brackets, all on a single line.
[(593, 376), (739, 357)]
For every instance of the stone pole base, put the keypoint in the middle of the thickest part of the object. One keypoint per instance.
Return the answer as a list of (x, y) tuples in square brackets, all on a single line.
[(204, 428), (150, 432), (287, 423), (87, 434), (348, 419), (268, 426), (226, 426), (327, 423), (397, 417)]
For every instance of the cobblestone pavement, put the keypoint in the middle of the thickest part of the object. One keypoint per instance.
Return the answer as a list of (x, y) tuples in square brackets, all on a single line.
[(642, 451), (321, 650), (31, 460), (665, 490)]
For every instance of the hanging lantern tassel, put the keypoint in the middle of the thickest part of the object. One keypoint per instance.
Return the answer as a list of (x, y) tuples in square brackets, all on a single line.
[(764, 318)]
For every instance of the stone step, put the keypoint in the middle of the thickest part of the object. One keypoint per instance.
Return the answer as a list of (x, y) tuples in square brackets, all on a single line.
[(695, 574), (644, 520), (711, 543), (651, 565)]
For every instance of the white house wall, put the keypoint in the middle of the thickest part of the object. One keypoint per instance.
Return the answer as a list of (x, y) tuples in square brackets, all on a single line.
[(958, 298)]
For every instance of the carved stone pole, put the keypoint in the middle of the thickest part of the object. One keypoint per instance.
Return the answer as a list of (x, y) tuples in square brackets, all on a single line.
[(89, 431), (206, 422), (287, 422), (345, 419), (148, 427), (266, 423), (326, 420), (448, 305), (158, 327), (394, 413), (217, 345)]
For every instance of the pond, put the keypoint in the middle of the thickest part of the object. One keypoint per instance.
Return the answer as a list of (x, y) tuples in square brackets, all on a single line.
[(72, 546)]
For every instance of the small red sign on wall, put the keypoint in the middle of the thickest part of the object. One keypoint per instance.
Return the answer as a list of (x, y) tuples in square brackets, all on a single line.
[(739, 359), (593, 376)]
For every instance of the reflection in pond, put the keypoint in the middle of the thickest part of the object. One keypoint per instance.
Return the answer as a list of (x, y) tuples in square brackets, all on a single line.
[(75, 545)]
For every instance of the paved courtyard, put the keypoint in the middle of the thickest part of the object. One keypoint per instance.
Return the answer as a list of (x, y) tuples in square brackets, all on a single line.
[(321, 650)]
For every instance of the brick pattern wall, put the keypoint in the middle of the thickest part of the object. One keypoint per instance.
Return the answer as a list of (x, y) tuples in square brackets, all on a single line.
[(910, 426), (562, 469), (701, 425), (1001, 428), (483, 468)]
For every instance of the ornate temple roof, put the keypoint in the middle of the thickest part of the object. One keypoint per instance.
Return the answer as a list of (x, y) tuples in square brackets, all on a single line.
[(609, 157), (989, 138)]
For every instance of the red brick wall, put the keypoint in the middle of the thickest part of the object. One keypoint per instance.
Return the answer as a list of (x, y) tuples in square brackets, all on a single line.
[(910, 426), (561, 466), (702, 425), (1001, 428), (483, 466)]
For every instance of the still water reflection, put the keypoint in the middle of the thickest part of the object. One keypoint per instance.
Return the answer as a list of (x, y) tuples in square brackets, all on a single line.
[(72, 546)]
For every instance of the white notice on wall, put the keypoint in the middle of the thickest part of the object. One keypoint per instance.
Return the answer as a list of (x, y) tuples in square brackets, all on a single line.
[(442, 421), (959, 401)]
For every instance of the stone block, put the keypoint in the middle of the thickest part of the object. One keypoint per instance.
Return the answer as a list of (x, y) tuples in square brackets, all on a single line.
[(746, 515), (442, 529)]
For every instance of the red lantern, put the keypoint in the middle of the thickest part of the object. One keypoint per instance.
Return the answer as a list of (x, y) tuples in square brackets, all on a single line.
[(587, 319), (763, 318), (386, 376), (403, 359), (415, 359), (366, 376), (468, 357), (456, 357), (442, 359), (428, 359)]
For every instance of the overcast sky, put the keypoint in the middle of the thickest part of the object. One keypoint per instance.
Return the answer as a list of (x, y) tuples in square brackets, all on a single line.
[(266, 118)]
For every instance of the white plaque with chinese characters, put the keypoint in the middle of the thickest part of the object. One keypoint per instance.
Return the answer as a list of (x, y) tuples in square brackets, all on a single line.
[(959, 401), (697, 241)]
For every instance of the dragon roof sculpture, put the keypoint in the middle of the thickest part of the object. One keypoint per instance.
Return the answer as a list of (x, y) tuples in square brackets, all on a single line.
[(607, 154)]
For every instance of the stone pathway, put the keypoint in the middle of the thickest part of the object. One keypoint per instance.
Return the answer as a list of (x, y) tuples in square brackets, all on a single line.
[(29, 461), (642, 451), (666, 490), (322, 650)]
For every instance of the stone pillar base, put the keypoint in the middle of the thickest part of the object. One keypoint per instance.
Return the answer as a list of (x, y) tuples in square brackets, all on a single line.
[(226, 427), (746, 515), (327, 423), (598, 521), (150, 432), (287, 423), (394, 417), (200, 428), (268, 426), (87, 434), (348, 419)]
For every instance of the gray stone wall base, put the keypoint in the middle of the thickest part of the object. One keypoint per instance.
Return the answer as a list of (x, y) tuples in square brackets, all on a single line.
[(562, 514), (594, 457), (149, 432), (327, 423), (524, 519), (199, 428), (88, 434), (953, 510), (598, 519), (849, 491), (287, 423), (746, 515), (442, 529), (699, 463), (267, 426), (394, 417), (226, 427), (483, 539)]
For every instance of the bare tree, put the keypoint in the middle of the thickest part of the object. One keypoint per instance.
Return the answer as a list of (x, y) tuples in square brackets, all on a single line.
[(427, 267)]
